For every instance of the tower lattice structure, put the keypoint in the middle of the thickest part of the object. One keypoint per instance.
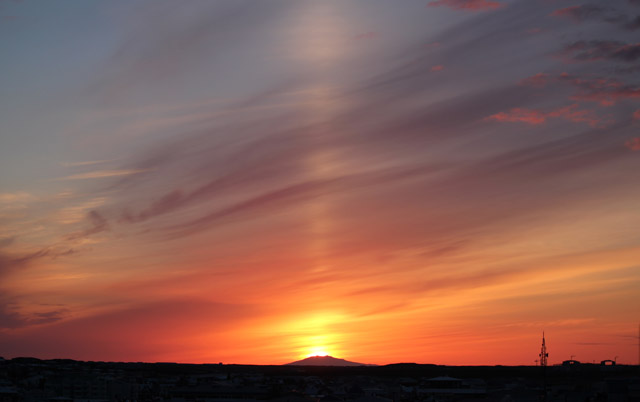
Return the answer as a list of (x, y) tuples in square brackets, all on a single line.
[(543, 353)]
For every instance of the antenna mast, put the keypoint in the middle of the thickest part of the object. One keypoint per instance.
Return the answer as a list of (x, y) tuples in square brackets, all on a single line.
[(543, 353), (543, 362)]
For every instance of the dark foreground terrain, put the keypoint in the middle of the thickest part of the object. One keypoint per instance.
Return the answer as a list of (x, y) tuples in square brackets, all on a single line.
[(29, 379)]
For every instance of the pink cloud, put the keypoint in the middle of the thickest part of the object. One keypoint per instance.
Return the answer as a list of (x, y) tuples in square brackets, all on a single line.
[(538, 80), (580, 13), (633, 144), (596, 50), (439, 67), (535, 117), (467, 5), (607, 98), (592, 12), (605, 91), (636, 115), (565, 12), (528, 116), (571, 113)]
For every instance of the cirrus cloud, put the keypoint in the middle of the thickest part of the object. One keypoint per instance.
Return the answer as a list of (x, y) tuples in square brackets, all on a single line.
[(467, 5), (633, 144), (603, 90), (99, 174), (535, 117), (596, 50)]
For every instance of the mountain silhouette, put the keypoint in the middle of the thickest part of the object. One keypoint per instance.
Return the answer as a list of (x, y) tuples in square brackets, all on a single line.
[(323, 361)]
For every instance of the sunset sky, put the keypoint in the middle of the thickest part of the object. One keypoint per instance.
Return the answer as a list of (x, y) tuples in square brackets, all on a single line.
[(260, 181)]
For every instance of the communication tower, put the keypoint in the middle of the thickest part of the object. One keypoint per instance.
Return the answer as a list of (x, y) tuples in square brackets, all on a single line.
[(543, 353), (543, 362)]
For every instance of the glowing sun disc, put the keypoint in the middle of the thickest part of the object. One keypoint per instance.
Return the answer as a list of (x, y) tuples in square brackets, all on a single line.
[(317, 351)]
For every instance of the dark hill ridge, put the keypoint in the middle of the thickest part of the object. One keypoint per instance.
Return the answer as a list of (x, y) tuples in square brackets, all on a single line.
[(324, 361)]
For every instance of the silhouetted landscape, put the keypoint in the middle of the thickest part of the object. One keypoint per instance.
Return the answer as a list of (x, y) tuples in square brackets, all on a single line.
[(324, 361), (29, 379)]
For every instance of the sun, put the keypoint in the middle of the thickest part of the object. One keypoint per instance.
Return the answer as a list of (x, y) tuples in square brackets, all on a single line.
[(313, 336), (317, 351)]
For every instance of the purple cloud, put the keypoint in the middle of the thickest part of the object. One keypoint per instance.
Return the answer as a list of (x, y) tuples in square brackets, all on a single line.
[(467, 5), (595, 50)]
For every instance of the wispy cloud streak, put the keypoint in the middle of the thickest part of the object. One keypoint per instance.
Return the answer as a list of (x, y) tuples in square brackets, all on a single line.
[(99, 174), (467, 5)]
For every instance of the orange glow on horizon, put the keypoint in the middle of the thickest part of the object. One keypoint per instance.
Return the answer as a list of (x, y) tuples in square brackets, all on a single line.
[(317, 351)]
